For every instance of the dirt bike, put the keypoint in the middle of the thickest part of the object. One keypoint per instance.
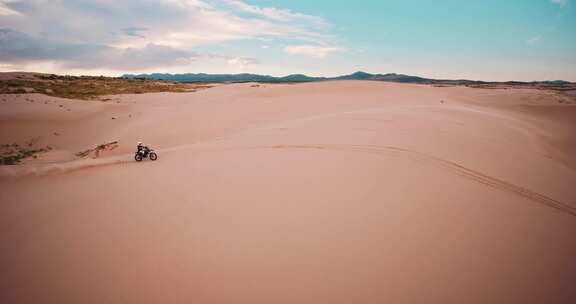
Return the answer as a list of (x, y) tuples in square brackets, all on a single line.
[(143, 153)]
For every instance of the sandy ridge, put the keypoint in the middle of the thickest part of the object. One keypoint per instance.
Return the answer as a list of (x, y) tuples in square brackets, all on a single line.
[(445, 164)]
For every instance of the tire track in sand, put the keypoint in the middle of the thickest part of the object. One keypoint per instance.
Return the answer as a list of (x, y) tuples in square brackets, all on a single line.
[(447, 165), (63, 167)]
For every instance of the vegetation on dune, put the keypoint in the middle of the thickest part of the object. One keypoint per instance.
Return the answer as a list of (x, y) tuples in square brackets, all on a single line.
[(13, 154), (89, 87)]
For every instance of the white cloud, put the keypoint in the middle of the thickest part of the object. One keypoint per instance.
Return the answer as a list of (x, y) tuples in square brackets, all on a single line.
[(534, 40), (7, 11), (561, 3), (92, 33), (18, 47), (273, 13), (240, 63), (312, 50)]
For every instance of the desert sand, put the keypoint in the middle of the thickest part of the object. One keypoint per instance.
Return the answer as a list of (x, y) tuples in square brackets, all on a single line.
[(330, 192)]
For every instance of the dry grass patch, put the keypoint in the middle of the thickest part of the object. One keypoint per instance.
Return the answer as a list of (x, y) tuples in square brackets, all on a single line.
[(14, 153)]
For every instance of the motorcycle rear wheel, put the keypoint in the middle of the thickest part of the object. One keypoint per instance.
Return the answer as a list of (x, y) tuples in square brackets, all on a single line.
[(138, 157)]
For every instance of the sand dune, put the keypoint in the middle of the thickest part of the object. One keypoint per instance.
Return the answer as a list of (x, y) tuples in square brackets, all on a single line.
[(331, 192)]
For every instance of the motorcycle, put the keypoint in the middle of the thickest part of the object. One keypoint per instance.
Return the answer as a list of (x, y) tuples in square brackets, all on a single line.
[(143, 153)]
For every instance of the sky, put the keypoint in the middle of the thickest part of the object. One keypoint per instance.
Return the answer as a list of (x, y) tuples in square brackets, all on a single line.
[(448, 39)]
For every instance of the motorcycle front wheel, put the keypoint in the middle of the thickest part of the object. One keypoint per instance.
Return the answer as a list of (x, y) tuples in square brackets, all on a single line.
[(153, 156), (138, 157)]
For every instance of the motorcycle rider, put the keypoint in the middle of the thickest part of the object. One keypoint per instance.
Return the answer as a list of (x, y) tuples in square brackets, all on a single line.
[(141, 147)]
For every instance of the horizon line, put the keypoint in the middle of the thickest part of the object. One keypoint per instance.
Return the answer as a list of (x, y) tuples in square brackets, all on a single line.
[(120, 75)]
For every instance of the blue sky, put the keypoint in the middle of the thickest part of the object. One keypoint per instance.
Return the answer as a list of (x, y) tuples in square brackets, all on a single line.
[(489, 40)]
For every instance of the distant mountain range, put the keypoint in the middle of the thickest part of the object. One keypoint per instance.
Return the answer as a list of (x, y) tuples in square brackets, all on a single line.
[(391, 77)]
